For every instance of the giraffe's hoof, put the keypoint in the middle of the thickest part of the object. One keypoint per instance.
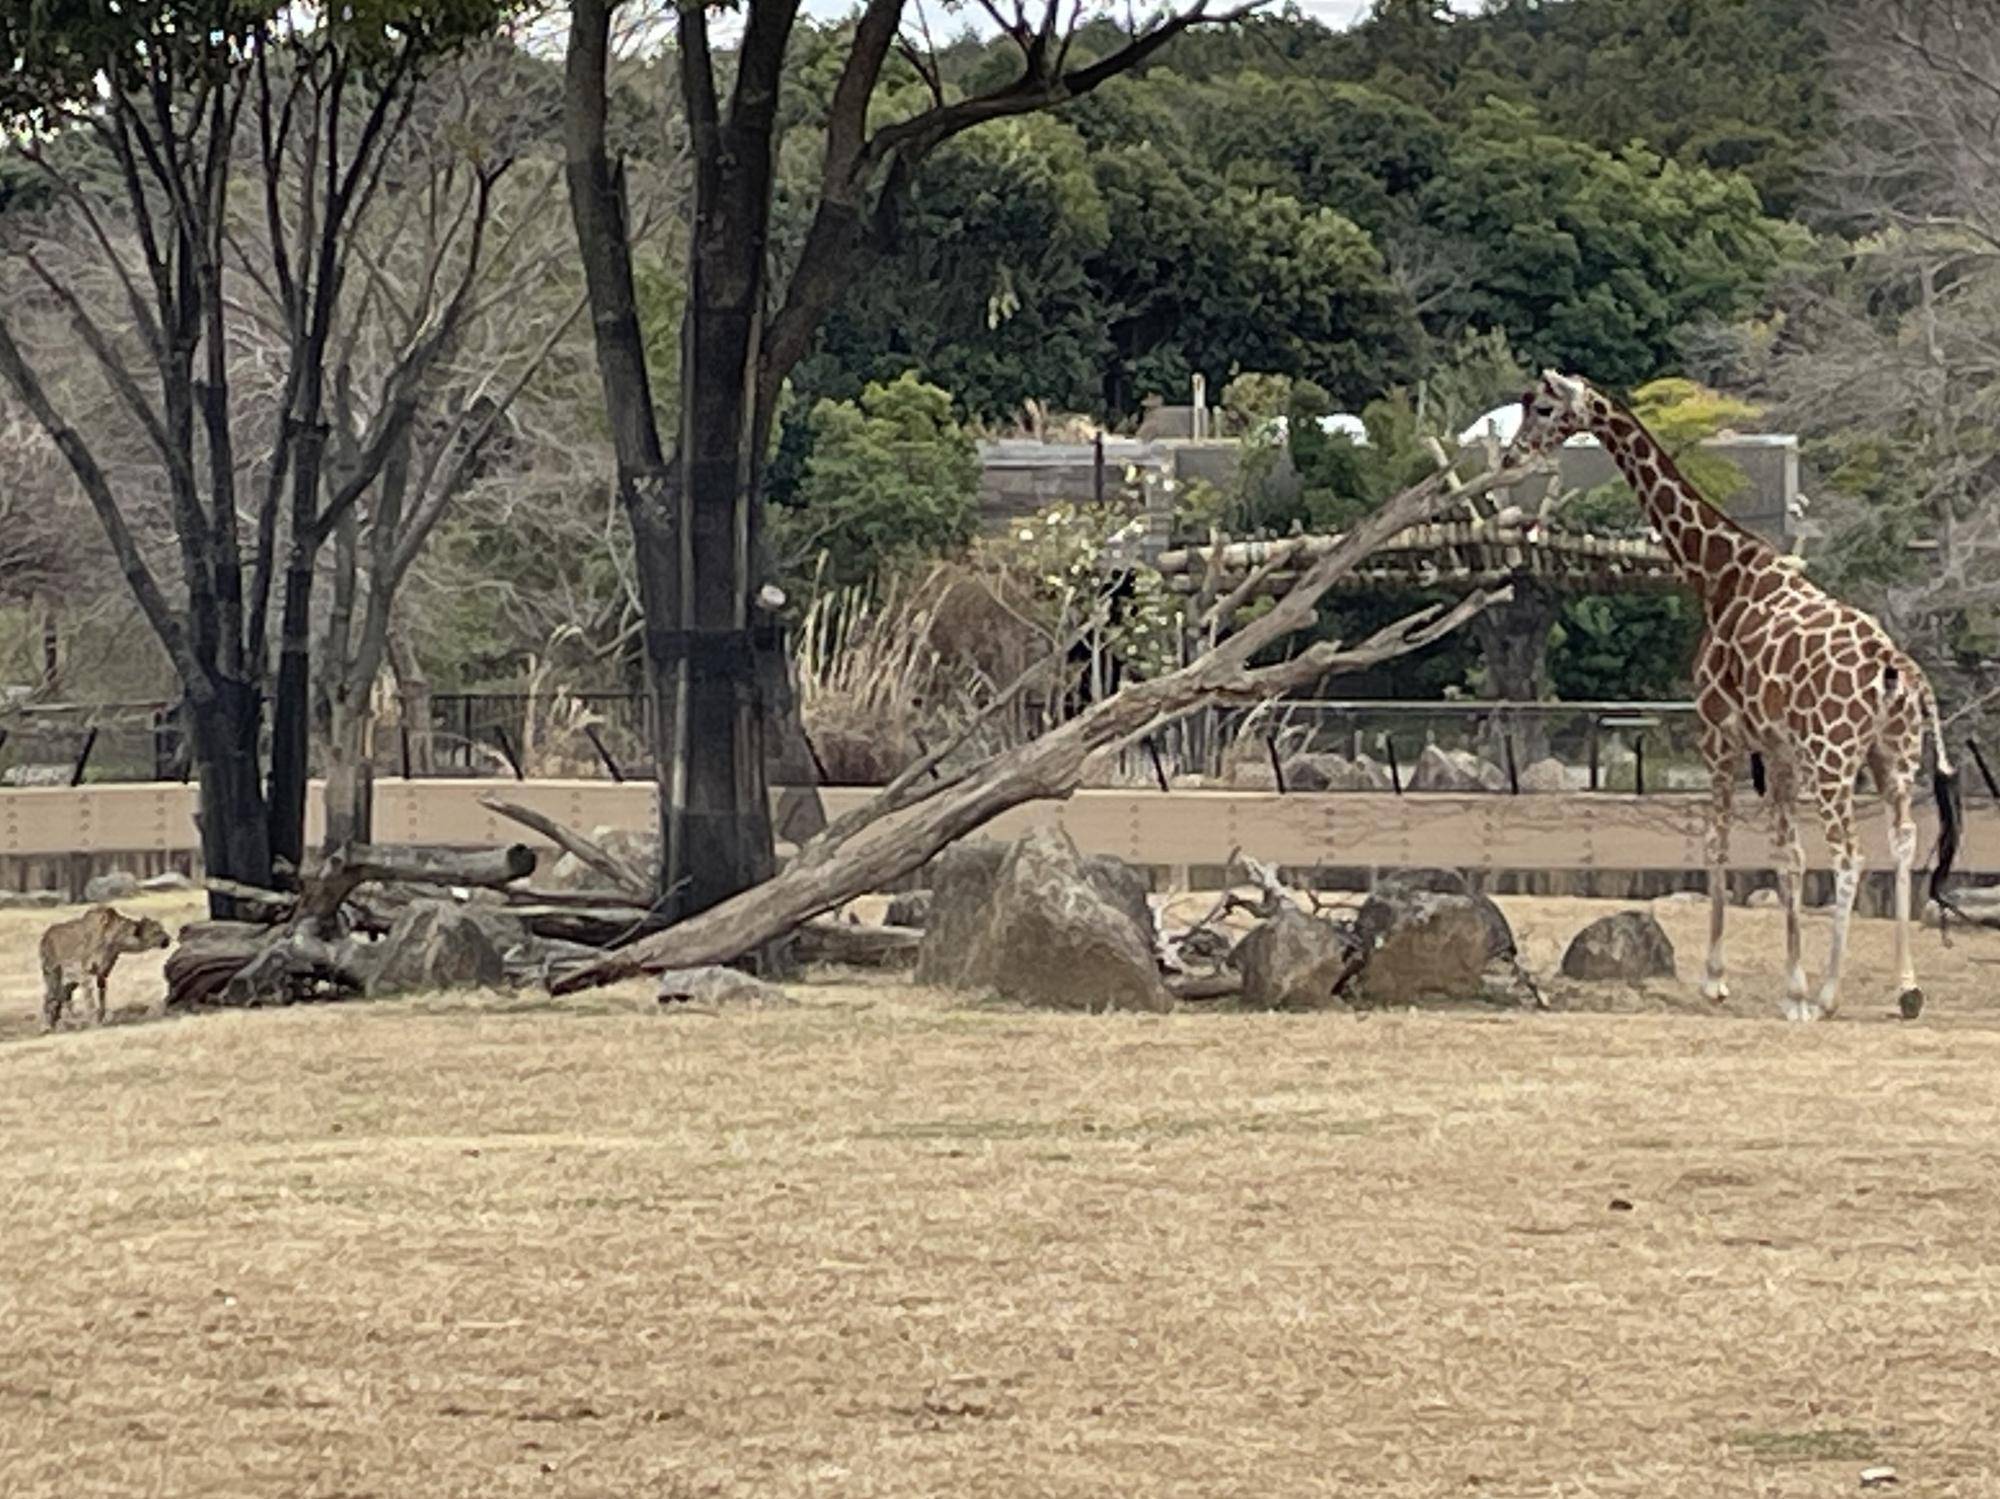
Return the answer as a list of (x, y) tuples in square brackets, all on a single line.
[(1911, 1003), (1715, 990), (1803, 1010)]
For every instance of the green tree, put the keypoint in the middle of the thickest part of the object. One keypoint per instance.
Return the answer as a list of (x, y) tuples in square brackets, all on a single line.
[(1592, 261), (891, 476)]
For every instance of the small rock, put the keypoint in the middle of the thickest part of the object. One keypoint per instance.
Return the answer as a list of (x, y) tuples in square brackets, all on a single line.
[(1628, 946), (1620, 1205), (1294, 962), (1546, 774), (171, 881), (1877, 1478), (714, 985), (1686, 897), (114, 885), (1764, 898), (910, 908)]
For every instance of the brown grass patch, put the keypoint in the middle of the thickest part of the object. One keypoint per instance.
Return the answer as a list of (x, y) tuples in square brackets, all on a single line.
[(886, 1244)]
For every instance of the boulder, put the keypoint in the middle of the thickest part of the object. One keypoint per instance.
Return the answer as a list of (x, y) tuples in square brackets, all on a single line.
[(1050, 929), (1325, 772), (963, 879), (1484, 774), (1461, 771), (1405, 883), (437, 944), (1428, 945), (910, 908), (712, 985), (115, 885), (1764, 898), (1294, 962), (1628, 946), (1313, 772), (1546, 774)]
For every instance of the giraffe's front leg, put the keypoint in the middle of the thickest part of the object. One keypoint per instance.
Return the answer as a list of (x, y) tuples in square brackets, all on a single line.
[(1722, 790), (1791, 876), (1837, 810)]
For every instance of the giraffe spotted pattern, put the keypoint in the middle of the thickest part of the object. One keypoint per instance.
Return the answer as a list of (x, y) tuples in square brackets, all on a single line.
[(1813, 688)]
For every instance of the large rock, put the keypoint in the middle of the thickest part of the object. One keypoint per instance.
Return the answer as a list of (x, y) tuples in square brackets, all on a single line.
[(117, 884), (1628, 946), (1294, 962), (1404, 883), (437, 944), (1426, 945), (963, 879), (1047, 928)]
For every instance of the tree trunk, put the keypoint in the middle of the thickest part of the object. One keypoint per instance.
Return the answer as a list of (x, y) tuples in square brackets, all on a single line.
[(726, 816), (235, 831), (350, 775), (1513, 642)]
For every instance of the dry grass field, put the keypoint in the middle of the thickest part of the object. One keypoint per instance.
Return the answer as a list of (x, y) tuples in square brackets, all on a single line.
[(887, 1243)]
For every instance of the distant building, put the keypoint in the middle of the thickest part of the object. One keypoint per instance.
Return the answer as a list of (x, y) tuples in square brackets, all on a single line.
[(1019, 476)]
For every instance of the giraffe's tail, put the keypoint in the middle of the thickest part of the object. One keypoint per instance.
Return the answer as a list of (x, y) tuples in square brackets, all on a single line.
[(1945, 788)]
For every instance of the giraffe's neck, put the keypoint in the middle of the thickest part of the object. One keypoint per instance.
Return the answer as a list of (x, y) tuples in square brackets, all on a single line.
[(1703, 545)]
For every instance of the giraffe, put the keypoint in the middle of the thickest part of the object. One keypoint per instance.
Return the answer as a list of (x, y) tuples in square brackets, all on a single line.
[(1810, 689)]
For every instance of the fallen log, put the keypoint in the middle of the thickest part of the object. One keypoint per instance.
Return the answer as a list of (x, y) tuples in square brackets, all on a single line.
[(894, 837), (849, 945), (307, 956), (623, 876)]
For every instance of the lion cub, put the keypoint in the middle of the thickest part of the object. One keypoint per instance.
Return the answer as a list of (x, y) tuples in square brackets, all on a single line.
[(90, 944)]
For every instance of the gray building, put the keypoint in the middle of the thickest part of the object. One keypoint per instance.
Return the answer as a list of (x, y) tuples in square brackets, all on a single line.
[(1019, 476)]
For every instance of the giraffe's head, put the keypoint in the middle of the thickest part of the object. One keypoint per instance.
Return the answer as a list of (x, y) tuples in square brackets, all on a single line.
[(1553, 410)]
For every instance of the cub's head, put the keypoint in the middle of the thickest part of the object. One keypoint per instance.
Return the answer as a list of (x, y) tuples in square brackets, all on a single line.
[(137, 934)]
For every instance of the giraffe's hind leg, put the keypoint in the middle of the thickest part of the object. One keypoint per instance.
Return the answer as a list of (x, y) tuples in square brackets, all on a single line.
[(1893, 778), (1724, 759)]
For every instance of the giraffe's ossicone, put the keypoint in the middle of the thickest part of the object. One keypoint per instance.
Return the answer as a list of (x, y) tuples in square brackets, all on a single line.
[(1811, 687)]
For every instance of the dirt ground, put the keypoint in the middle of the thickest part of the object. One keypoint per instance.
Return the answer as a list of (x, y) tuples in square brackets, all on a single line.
[(883, 1242)]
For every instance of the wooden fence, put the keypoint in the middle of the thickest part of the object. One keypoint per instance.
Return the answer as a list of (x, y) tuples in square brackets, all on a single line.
[(1577, 843)]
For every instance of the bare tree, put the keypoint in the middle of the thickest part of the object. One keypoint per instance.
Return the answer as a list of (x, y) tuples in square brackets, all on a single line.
[(1890, 360), (167, 103), (712, 653)]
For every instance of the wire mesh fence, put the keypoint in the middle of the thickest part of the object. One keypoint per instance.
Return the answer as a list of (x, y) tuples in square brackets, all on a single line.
[(1297, 745)]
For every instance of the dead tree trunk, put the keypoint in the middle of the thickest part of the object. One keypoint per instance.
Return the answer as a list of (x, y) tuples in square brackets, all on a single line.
[(914, 819)]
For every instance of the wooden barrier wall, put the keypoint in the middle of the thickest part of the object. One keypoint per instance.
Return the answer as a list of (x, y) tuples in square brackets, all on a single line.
[(69, 832)]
